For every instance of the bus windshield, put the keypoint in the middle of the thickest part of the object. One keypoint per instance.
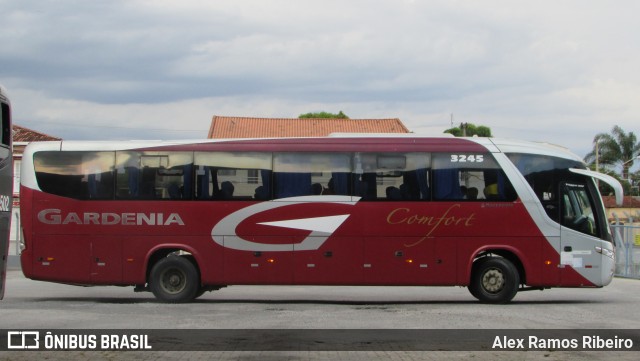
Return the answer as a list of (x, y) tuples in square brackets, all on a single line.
[(566, 190)]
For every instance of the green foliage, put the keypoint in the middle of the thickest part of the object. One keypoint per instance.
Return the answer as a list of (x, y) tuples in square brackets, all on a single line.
[(616, 149), (471, 130), (324, 115)]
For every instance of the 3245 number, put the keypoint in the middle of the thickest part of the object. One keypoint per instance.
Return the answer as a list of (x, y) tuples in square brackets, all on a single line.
[(467, 158)]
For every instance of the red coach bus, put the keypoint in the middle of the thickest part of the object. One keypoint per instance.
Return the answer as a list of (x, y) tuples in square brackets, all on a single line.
[(183, 218)]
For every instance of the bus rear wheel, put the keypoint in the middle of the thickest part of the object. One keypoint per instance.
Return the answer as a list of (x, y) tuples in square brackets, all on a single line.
[(494, 280), (174, 279)]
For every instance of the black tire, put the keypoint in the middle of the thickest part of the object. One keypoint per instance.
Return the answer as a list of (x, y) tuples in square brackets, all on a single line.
[(201, 291), (494, 280), (174, 279)]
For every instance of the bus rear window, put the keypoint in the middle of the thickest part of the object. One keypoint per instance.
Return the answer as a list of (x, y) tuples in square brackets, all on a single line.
[(79, 175)]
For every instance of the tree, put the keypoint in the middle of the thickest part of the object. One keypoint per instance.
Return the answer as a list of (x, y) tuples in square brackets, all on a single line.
[(469, 130), (324, 115), (616, 149)]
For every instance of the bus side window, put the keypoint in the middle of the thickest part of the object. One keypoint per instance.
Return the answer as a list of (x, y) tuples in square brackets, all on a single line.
[(232, 176), (365, 186), (176, 182), (292, 184), (127, 175), (306, 174), (154, 175), (392, 176), (470, 177), (100, 185), (78, 175)]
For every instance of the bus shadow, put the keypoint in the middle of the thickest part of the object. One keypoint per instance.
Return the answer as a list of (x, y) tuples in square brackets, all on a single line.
[(109, 300), (374, 304), (361, 303)]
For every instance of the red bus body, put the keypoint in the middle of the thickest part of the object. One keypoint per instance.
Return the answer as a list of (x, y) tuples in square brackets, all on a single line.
[(303, 240)]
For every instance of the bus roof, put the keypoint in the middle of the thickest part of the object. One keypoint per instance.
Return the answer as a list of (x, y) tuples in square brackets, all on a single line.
[(341, 142), (542, 148)]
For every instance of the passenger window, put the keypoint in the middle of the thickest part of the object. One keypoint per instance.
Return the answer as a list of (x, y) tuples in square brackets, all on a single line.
[(154, 175), (79, 175), (303, 174), (392, 176), (233, 176), (470, 177)]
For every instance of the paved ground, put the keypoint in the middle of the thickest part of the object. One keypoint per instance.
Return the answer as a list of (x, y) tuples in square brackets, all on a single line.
[(38, 305)]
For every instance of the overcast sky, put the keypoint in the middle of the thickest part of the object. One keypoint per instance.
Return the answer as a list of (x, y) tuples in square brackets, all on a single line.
[(556, 71)]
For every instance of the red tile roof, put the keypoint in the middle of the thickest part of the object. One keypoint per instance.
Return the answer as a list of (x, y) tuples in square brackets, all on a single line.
[(245, 127), (22, 134), (627, 202)]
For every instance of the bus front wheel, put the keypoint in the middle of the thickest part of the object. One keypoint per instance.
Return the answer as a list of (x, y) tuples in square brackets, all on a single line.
[(174, 279), (494, 280)]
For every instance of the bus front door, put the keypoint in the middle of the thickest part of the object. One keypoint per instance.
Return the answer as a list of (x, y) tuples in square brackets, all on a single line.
[(580, 263)]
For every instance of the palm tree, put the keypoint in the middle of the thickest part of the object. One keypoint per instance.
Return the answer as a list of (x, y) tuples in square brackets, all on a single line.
[(617, 148)]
